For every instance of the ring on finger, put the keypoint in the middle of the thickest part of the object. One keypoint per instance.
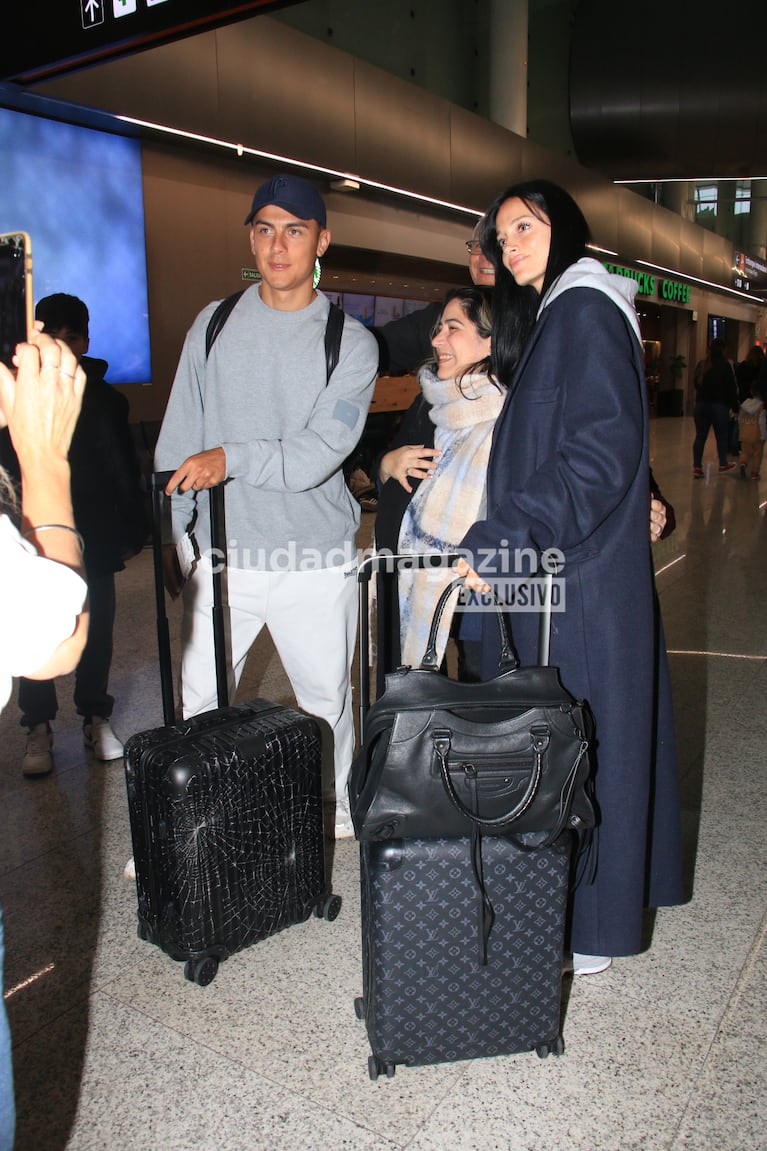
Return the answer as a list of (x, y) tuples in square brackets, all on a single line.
[(69, 375)]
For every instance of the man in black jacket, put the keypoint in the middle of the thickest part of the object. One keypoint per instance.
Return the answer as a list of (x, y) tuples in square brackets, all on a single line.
[(405, 344), (110, 515)]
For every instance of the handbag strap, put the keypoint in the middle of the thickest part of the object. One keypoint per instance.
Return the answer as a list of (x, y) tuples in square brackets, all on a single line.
[(509, 660)]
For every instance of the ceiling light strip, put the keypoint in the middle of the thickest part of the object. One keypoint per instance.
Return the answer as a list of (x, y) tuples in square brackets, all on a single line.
[(243, 149), (693, 180), (336, 174), (603, 251), (697, 280)]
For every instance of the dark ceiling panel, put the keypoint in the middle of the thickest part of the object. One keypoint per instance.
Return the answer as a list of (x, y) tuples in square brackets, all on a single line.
[(635, 228), (484, 158), (655, 94), (666, 238), (79, 34), (260, 102), (151, 85), (717, 265), (401, 133), (691, 250), (601, 214)]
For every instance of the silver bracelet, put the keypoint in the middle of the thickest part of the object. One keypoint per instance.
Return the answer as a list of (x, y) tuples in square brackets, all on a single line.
[(55, 528)]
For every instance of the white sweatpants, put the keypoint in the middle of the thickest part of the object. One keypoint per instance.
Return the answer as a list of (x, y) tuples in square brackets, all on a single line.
[(312, 619)]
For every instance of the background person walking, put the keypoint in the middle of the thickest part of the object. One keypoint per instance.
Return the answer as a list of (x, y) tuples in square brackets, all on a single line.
[(716, 395)]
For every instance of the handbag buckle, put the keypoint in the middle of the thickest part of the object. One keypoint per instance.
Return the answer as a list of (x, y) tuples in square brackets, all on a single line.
[(440, 737), (540, 735)]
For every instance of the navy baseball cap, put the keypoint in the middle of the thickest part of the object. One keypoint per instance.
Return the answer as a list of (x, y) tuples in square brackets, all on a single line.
[(293, 194)]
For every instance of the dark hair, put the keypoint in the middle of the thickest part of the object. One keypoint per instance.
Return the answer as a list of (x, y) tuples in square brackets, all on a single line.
[(8, 494), (477, 305), (716, 349), (516, 307), (62, 311)]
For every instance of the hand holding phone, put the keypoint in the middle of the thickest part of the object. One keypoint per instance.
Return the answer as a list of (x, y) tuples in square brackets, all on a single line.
[(16, 297), (40, 403)]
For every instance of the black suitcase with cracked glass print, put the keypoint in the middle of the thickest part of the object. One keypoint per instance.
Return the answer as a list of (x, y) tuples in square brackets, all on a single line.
[(225, 809)]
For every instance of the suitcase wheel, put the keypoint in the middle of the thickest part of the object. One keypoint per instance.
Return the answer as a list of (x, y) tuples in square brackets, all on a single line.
[(376, 1066), (201, 971), (328, 908), (555, 1048), (359, 1007), (144, 931)]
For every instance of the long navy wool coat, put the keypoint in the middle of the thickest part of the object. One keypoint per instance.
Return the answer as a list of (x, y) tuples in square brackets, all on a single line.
[(569, 469)]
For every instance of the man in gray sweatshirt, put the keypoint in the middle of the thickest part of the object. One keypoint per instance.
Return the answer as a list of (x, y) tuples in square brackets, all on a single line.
[(260, 413)]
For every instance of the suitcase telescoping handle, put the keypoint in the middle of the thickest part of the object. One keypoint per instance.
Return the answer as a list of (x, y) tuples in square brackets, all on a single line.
[(382, 565), (390, 564), (218, 541), (544, 620)]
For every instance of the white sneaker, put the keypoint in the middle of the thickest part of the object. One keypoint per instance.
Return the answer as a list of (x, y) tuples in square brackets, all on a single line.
[(98, 736), (590, 964), (38, 758), (344, 828), (129, 871)]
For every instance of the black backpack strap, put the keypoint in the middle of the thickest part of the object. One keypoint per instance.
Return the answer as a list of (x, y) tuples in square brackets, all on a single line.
[(218, 319), (333, 330), (333, 333)]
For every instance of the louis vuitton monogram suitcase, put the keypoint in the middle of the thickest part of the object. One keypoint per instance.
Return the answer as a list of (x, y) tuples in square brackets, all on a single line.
[(427, 995)]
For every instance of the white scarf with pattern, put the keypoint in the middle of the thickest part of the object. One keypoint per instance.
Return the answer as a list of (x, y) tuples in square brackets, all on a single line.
[(448, 502)]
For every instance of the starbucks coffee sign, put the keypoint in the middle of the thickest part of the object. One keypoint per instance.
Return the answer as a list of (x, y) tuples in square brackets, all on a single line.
[(650, 285)]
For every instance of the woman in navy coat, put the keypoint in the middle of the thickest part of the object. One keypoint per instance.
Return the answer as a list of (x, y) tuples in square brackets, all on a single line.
[(568, 470)]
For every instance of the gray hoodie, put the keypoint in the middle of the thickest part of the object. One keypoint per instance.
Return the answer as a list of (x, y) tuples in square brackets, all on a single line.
[(589, 273)]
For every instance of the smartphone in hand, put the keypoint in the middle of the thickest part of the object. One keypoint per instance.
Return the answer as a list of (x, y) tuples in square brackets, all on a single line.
[(16, 299)]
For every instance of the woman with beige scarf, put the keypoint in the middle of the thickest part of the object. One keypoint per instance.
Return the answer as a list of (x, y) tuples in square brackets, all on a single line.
[(441, 487)]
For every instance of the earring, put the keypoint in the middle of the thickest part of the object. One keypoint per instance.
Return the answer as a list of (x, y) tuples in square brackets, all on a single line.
[(317, 272)]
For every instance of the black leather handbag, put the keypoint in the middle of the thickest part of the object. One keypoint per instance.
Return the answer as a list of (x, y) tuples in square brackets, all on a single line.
[(443, 758)]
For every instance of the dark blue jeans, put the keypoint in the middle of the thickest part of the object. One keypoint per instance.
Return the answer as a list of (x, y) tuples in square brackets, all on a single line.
[(706, 416), (7, 1107)]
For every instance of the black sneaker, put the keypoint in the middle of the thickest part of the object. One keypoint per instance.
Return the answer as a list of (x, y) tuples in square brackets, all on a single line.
[(38, 757)]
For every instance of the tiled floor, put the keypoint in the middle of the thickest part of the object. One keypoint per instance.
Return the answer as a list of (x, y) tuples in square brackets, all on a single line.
[(115, 1051)]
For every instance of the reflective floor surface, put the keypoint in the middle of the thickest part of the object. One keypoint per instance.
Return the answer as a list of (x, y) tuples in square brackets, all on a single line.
[(115, 1051)]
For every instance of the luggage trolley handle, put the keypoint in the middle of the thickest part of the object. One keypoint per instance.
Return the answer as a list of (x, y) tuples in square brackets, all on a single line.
[(159, 482), (390, 563)]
